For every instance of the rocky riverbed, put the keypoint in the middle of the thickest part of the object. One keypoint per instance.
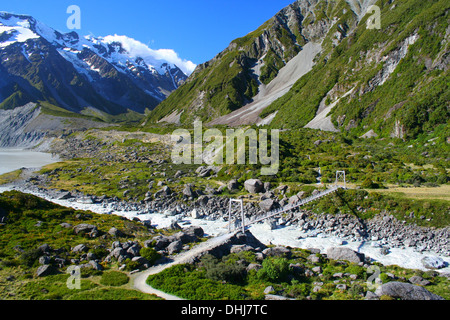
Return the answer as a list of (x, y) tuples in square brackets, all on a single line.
[(384, 236)]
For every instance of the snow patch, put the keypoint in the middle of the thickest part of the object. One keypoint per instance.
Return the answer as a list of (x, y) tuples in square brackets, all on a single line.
[(155, 58)]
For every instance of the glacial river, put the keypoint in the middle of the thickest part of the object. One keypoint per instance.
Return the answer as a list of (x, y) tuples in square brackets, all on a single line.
[(14, 159)]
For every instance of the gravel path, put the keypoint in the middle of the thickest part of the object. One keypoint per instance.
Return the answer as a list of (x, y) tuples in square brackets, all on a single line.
[(139, 279)]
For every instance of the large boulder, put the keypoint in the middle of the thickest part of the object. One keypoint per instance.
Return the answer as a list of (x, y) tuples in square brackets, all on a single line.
[(406, 291), (254, 186), (267, 205), (164, 192), (80, 248), (238, 239), (114, 232), (95, 265), (233, 185), (85, 229), (187, 191), (203, 172), (195, 230), (433, 263), (345, 254), (161, 242), (277, 252), (45, 270), (175, 247)]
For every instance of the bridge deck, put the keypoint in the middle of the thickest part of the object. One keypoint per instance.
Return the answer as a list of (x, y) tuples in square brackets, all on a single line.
[(284, 209)]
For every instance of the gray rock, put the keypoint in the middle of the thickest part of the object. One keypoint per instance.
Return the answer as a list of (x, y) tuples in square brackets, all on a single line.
[(269, 290), (44, 260), (185, 237), (84, 228), (117, 252), (116, 244), (65, 196), (240, 248), (294, 199), (195, 214), (80, 248), (433, 263), (66, 225), (267, 186), (161, 242), (317, 269), (341, 287), (134, 250), (195, 230), (254, 266), (164, 192), (277, 252), (45, 270), (406, 291), (45, 248), (233, 185), (90, 256), (187, 191), (254, 186), (175, 247), (174, 226), (95, 265), (203, 172), (345, 254), (419, 280), (267, 205), (276, 297), (140, 260), (313, 258), (114, 232), (371, 296)]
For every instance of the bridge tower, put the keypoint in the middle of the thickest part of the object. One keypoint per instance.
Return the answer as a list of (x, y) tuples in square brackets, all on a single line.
[(241, 202), (341, 175)]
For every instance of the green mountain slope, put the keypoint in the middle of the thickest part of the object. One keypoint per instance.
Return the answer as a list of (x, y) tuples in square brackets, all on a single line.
[(393, 81), (399, 76), (232, 78)]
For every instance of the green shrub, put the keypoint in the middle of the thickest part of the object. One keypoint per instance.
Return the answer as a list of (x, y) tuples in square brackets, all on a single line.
[(114, 279), (29, 257), (369, 184), (222, 271), (274, 269), (150, 254)]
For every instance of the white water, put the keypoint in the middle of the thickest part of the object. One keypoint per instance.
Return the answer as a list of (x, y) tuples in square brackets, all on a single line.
[(286, 236), (14, 159)]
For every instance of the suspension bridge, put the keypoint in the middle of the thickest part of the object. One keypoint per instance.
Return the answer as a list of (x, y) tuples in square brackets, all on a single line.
[(243, 223)]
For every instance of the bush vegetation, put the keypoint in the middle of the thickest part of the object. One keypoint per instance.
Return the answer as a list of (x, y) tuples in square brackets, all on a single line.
[(205, 281)]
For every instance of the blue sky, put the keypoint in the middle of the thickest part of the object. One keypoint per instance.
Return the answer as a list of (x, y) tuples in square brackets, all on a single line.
[(196, 29)]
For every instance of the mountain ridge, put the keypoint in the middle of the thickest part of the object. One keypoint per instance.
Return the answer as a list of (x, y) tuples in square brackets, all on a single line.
[(392, 73), (85, 72)]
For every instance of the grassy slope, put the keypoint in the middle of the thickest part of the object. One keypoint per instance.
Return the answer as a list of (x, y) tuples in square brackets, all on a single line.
[(20, 231), (226, 82), (423, 91)]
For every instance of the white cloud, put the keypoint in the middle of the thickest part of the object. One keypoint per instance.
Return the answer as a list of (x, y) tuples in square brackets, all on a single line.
[(152, 57)]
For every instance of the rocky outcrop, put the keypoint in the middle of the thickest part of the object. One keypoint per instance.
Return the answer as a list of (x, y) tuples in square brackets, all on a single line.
[(254, 186), (345, 254), (240, 238), (13, 127), (406, 291)]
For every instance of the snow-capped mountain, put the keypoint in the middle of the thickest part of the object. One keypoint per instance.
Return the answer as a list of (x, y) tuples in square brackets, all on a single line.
[(110, 74)]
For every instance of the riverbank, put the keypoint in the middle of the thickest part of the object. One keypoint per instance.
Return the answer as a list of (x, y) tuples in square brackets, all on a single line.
[(300, 230)]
